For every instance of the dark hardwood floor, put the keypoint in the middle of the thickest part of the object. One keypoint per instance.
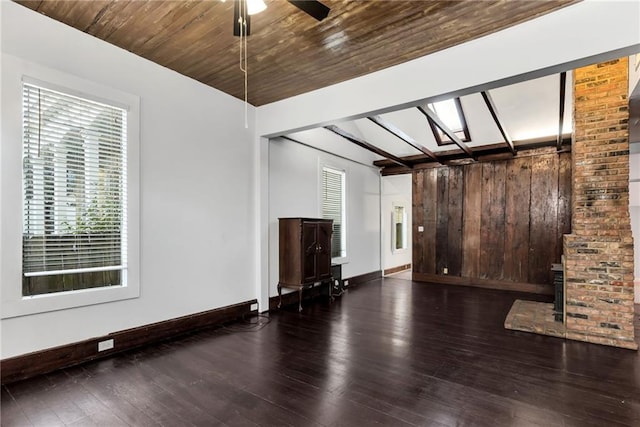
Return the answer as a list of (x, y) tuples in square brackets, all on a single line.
[(389, 352)]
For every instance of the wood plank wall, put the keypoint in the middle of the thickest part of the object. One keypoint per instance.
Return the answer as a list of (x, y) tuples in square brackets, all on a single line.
[(497, 223)]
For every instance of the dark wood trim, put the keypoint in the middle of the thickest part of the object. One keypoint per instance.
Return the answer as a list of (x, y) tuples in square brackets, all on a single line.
[(397, 132), (366, 145), (363, 278), (396, 269), (484, 283), (463, 120), (44, 361), (430, 115), (304, 144), (496, 118), (563, 88), (313, 8)]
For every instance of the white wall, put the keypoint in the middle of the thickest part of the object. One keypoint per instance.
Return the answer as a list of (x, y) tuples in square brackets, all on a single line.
[(396, 191), (634, 211), (196, 228), (635, 227), (294, 191), (634, 74), (634, 176)]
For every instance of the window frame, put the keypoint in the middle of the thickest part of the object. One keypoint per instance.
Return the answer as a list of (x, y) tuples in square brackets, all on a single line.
[(13, 303), (438, 134), (343, 258), (405, 228), (75, 151)]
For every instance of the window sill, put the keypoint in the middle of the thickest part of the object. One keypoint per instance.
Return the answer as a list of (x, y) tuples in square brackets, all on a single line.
[(340, 260), (43, 303)]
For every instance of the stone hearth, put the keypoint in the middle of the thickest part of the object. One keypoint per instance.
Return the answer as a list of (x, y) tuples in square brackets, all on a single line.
[(536, 317)]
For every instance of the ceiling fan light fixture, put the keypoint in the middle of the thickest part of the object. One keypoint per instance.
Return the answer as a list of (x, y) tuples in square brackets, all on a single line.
[(255, 6)]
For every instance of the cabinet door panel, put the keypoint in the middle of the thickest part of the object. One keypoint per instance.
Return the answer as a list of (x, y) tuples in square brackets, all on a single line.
[(309, 250), (324, 250)]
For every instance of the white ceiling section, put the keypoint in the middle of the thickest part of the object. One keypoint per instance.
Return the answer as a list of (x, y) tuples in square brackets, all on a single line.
[(531, 109), (413, 123), (528, 110), (325, 140)]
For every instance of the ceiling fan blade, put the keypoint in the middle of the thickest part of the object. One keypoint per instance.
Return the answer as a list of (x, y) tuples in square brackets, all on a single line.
[(312, 7)]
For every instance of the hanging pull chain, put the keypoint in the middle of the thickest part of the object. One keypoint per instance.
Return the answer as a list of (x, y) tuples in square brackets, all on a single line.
[(242, 22)]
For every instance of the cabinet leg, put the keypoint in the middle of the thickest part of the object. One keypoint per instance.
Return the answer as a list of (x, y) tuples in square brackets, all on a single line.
[(279, 295), (300, 300)]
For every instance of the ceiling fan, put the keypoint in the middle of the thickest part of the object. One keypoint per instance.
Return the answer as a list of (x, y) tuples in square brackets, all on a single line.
[(243, 9)]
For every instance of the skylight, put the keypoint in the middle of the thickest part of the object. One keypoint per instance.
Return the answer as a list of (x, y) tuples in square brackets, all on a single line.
[(448, 113), (451, 114)]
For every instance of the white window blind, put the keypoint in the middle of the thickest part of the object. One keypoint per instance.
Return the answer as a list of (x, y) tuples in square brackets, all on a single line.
[(333, 208), (74, 192)]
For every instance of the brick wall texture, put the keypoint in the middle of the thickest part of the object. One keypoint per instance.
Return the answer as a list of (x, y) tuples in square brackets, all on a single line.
[(599, 252)]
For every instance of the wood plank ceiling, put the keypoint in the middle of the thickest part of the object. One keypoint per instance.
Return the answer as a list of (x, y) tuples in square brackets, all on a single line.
[(289, 52)]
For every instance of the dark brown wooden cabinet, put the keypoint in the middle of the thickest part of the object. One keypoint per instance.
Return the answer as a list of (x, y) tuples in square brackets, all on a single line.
[(305, 253)]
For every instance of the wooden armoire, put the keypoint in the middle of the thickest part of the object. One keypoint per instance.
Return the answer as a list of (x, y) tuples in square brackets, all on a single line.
[(305, 254)]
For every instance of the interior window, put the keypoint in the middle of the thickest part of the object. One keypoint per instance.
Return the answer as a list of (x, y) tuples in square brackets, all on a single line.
[(74, 192), (333, 207), (399, 228)]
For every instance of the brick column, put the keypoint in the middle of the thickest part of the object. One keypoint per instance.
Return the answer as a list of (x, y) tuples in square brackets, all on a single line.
[(599, 252)]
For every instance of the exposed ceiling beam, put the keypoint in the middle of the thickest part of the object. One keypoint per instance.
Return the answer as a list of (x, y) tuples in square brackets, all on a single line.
[(392, 129), (367, 146), (483, 153), (563, 87), (430, 115), (314, 8), (494, 113), (304, 144)]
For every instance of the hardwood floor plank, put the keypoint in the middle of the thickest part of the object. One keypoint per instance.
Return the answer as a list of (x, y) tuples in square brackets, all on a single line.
[(12, 413), (389, 352)]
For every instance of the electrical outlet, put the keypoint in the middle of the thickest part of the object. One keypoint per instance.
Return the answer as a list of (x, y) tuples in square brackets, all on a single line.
[(254, 306), (445, 270), (105, 345), (420, 229), (345, 283)]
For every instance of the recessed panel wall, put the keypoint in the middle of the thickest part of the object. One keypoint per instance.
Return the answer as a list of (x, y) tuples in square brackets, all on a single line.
[(494, 224)]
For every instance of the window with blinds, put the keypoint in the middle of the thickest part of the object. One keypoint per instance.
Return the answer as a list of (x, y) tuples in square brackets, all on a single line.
[(74, 192), (333, 207)]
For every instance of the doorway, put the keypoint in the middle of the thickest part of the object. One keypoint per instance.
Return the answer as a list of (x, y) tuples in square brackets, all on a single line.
[(396, 226)]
